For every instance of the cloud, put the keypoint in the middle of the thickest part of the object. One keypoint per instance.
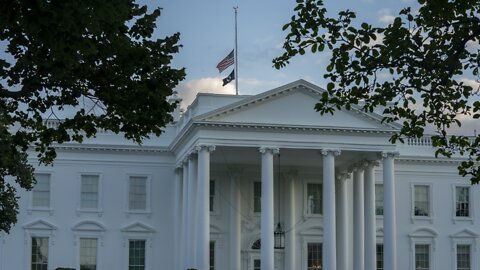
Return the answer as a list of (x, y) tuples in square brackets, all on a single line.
[(188, 90), (385, 16), (472, 83)]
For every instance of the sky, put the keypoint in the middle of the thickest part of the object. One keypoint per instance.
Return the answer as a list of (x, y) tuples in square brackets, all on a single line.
[(207, 30)]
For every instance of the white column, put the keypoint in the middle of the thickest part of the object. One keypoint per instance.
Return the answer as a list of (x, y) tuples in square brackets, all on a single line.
[(191, 211), (329, 229), (389, 222), (358, 220), (370, 219), (342, 222), (235, 221), (203, 193), (185, 218), (266, 218), (290, 239), (177, 220)]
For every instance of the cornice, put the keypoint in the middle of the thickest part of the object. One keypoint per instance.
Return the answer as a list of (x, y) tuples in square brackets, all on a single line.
[(112, 148), (290, 127), (429, 159)]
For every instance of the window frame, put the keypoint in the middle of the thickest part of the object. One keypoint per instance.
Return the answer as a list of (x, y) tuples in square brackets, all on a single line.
[(423, 236), (50, 208), (216, 197), (253, 197), (138, 231), (382, 201), (430, 215), (148, 180), (144, 251), (306, 212), (429, 247), (49, 251), (99, 209), (312, 235), (96, 251), (89, 229), (465, 237), (471, 209), (377, 257)]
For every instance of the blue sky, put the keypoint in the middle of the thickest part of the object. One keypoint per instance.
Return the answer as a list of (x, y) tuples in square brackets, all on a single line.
[(207, 35)]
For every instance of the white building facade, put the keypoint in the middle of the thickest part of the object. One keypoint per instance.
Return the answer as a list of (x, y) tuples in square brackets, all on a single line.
[(209, 193)]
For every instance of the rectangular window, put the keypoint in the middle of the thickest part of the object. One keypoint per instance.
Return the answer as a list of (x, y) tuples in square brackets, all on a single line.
[(314, 257), (88, 253), (314, 198), (89, 192), (39, 253), (41, 191), (257, 197), (137, 197), (421, 200), (462, 201), (422, 257), (136, 255), (212, 194), (379, 257), (212, 255), (463, 257), (379, 199), (256, 264)]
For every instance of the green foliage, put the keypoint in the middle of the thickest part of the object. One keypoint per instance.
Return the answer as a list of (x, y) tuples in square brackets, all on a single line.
[(59, 53), (423, 54)]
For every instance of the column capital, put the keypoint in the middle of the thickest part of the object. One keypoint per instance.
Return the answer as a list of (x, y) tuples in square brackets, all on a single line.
[(208, 147), (372, 163), (343, 175), (334, 152), (359, 166), (271, 149), (392, 154)]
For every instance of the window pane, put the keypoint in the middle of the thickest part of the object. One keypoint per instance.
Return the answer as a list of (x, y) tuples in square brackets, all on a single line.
[(88, 254), (379, 200), (256, 264), (462, 201), (421, 203), (314, 259), (136, 255), (212, 194), (89, 192), (379, 256), (39, 253), (422, 257), (463, 257), (212, 255), (41, 191), (257, 197), (138, 193), (314, 198)]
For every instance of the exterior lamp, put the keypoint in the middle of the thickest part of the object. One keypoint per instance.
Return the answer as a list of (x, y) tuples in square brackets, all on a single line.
[(279, 235)]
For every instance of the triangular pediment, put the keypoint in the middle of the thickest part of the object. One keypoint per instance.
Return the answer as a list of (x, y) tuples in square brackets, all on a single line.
[(40, 225), (293, 105), (138, 227), (466, 233), (89, 226)]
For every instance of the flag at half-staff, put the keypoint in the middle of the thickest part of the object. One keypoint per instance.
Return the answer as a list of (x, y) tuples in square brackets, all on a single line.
[(230, 78), (226, 62)]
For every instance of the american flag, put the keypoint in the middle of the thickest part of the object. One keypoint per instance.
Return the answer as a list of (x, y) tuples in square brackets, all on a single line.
[(226, 62)]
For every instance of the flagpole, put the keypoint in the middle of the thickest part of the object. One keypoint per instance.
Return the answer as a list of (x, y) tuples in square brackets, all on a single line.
[(236, 52)]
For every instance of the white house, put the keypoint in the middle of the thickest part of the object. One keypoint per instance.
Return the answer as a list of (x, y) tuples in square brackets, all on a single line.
[(209, 193)]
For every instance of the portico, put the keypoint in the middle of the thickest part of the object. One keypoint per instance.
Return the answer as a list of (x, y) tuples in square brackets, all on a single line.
[(335, 160), (339, 172)]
